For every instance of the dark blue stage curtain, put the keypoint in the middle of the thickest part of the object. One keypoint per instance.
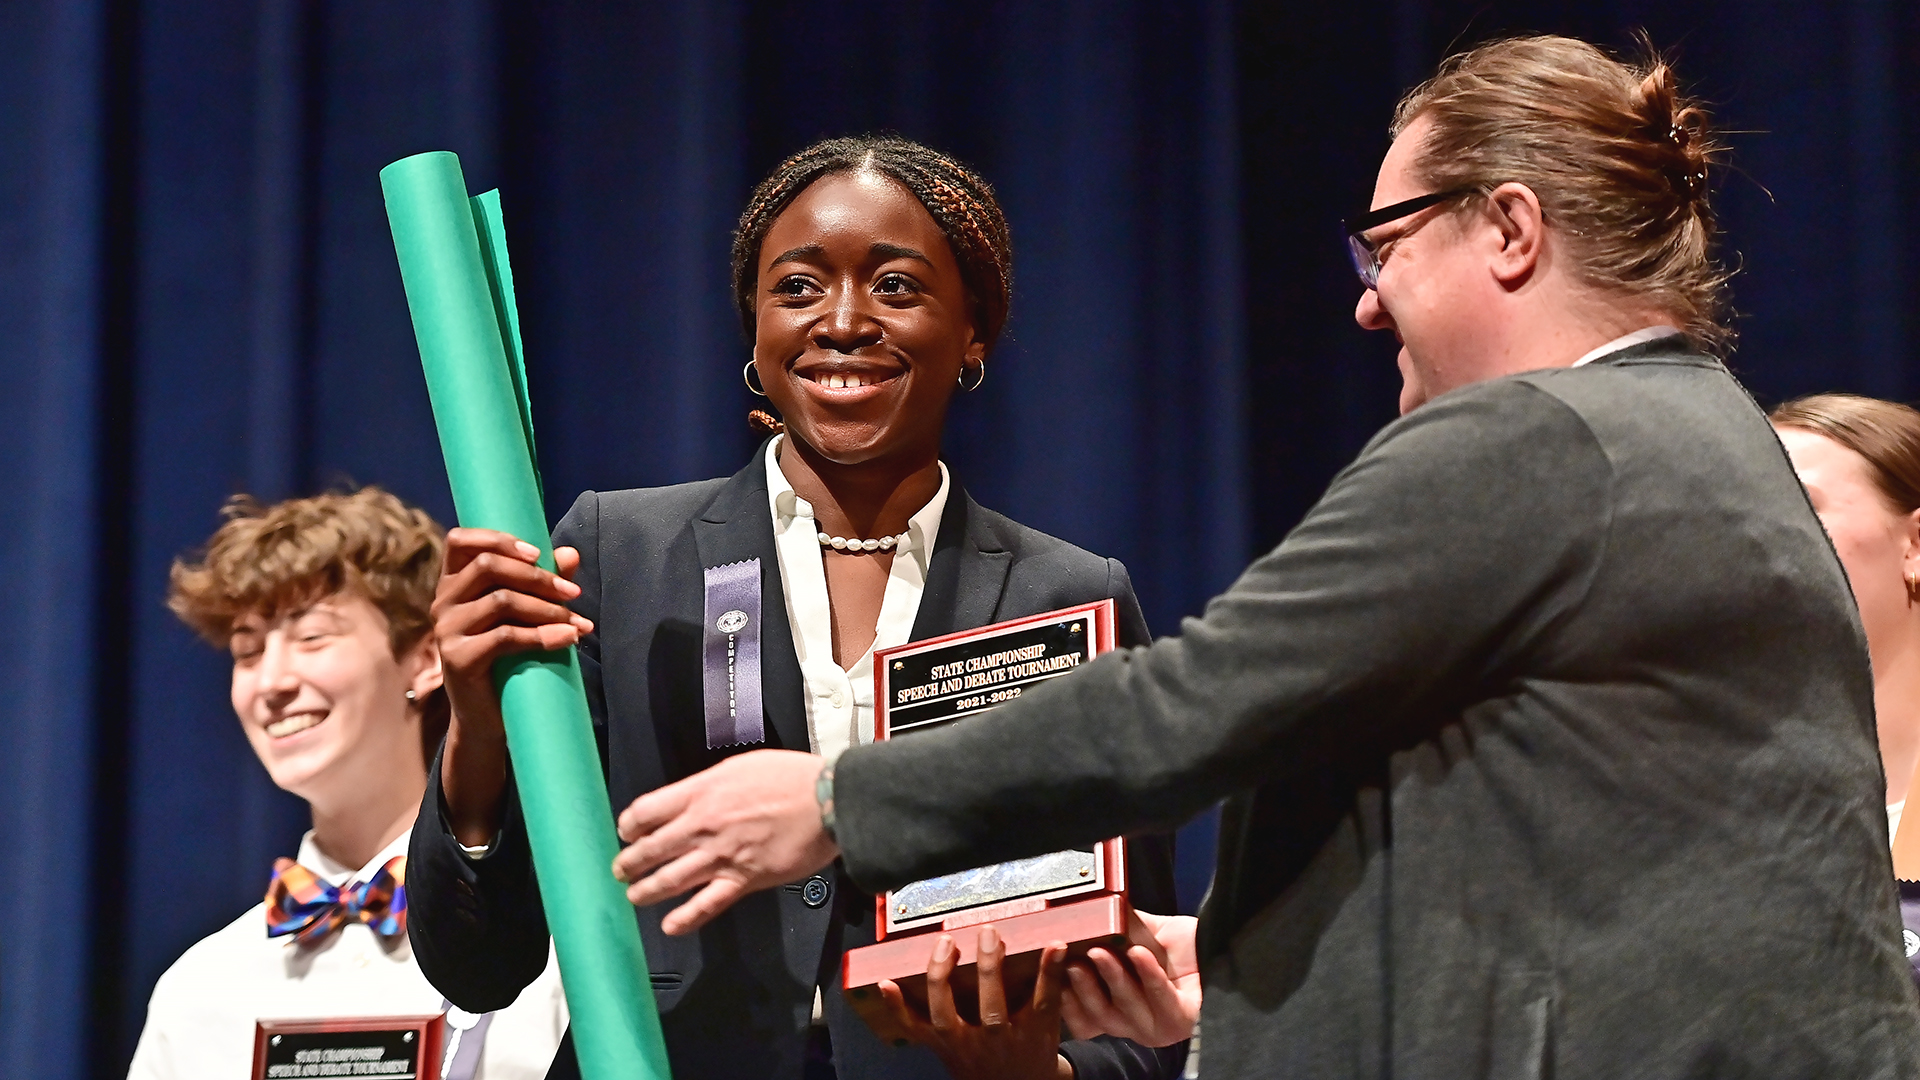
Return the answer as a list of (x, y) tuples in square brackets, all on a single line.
[(202, 299), (198, 297)]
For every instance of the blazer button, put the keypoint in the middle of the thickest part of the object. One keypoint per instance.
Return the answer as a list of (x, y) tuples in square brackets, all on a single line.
[(816, 891)]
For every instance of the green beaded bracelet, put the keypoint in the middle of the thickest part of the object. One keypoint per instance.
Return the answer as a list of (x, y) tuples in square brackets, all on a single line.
[(823, 794)]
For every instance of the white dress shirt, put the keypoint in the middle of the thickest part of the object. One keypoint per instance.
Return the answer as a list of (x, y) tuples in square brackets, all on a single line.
[(1627, 341), (840, 702), (200, 1020)]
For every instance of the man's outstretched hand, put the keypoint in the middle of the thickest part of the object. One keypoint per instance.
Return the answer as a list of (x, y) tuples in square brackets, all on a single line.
[(749, 823)]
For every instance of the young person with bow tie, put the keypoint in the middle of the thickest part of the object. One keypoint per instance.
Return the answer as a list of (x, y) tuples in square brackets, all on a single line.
[(323, 603)]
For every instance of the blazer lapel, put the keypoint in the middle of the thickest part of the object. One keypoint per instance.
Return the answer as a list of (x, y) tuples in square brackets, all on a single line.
[(964, 582), (738, 525), (966, 574)]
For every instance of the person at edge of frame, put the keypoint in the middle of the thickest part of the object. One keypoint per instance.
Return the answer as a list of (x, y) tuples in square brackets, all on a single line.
[(1859, 459), (1548, 734), (324, 604), (872, 275)]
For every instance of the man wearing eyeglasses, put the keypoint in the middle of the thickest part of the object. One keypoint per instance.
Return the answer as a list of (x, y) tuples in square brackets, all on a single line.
[(1547, 736), (1443, 310)]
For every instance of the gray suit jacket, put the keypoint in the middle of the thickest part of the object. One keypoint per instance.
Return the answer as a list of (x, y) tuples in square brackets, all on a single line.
[(1549, 736), (736, 998)]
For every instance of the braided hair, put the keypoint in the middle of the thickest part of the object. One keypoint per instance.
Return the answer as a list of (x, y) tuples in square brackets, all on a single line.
[(958, 200)]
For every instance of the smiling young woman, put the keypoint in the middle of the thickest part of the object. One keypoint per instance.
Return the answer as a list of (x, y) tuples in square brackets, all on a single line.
[(873, 276), (863, 327)]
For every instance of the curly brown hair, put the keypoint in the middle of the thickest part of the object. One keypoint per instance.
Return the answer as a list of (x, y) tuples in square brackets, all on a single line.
[(277, 559), (1618, 156)]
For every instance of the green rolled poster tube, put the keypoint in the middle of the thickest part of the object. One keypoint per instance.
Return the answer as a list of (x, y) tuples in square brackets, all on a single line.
[(459, 288)]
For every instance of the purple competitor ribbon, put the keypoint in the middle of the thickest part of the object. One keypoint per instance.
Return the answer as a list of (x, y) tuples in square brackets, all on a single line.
[(730, 656), (466, 1035)]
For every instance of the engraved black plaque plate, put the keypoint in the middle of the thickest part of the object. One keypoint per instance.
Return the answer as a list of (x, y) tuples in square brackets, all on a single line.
[(927, 685), (384, 1048), (926, 688)]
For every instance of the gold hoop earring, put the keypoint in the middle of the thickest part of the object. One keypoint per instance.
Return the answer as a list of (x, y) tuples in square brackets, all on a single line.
[(746, 376), (1913, 587), (980, 371)]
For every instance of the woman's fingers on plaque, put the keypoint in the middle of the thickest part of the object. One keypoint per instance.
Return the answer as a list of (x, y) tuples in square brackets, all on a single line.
[(941, 1013), (993, 992), (906, 1016), (1049, 989)]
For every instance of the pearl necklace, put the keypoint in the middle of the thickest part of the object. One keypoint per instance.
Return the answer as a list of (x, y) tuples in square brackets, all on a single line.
[(885, 543)]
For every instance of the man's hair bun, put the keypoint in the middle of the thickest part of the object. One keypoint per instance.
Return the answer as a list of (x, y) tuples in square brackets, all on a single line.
[(1619, 156), (1683, 125)]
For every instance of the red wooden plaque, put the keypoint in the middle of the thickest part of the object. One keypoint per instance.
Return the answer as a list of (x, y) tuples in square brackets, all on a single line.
[(1076, 896), (381, 1047)]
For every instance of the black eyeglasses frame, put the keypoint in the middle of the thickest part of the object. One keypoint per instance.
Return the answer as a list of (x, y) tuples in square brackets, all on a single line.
[(1366, 257)]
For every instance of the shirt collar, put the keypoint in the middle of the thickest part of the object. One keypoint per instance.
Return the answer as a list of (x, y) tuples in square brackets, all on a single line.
[(1627, 341), (922, 527), (336, 874)]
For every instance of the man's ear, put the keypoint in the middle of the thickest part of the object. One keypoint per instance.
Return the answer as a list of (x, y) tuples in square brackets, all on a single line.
[(1515, 213)]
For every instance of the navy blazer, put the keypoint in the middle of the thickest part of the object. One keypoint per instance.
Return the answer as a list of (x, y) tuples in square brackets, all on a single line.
[(736, 998)]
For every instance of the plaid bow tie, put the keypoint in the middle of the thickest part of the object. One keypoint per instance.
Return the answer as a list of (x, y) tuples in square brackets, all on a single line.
[(301, 904)]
